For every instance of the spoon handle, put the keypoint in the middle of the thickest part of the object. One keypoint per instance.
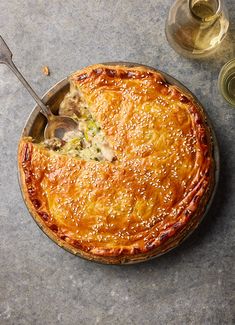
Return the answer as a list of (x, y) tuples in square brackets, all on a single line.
[(6, 58)]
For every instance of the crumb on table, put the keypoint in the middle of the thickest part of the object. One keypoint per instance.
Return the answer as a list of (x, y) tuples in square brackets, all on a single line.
[(45, 70)]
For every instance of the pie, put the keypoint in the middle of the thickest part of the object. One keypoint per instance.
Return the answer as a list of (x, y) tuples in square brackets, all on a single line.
[(136, 178)]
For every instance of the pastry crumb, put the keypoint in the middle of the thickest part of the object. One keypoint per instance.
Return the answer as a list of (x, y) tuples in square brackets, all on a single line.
[(45, 70)]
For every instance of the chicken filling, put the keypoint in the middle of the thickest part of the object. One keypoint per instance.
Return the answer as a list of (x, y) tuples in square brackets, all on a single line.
[(88, 142)]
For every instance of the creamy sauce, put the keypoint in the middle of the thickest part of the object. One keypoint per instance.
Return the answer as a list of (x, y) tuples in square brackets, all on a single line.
[(88, 142)]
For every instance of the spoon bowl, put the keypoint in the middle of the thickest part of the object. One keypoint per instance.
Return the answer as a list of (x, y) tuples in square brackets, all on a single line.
[(57, 126)]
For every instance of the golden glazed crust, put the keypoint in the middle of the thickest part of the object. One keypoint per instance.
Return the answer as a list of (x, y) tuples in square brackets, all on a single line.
[(146, 201)]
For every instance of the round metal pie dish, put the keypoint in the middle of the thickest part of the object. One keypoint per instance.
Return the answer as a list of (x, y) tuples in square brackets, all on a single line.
[(34, 127)]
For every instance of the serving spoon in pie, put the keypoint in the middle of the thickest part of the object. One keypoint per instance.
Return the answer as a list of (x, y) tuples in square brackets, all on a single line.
[(56, 126)]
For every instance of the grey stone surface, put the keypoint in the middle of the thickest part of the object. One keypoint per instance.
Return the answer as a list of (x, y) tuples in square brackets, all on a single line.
[(39, 282)]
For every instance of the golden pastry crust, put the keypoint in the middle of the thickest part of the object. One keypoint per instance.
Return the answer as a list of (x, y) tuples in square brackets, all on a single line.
[(146, 201)]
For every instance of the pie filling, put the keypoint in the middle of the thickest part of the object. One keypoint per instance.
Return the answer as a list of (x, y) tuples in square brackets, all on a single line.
[(88, 141)]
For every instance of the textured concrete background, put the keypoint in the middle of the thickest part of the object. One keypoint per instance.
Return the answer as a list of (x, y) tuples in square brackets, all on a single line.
[(39, 282)]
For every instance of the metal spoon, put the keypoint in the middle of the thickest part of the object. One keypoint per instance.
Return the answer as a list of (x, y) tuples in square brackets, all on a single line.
[(56, 125)]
